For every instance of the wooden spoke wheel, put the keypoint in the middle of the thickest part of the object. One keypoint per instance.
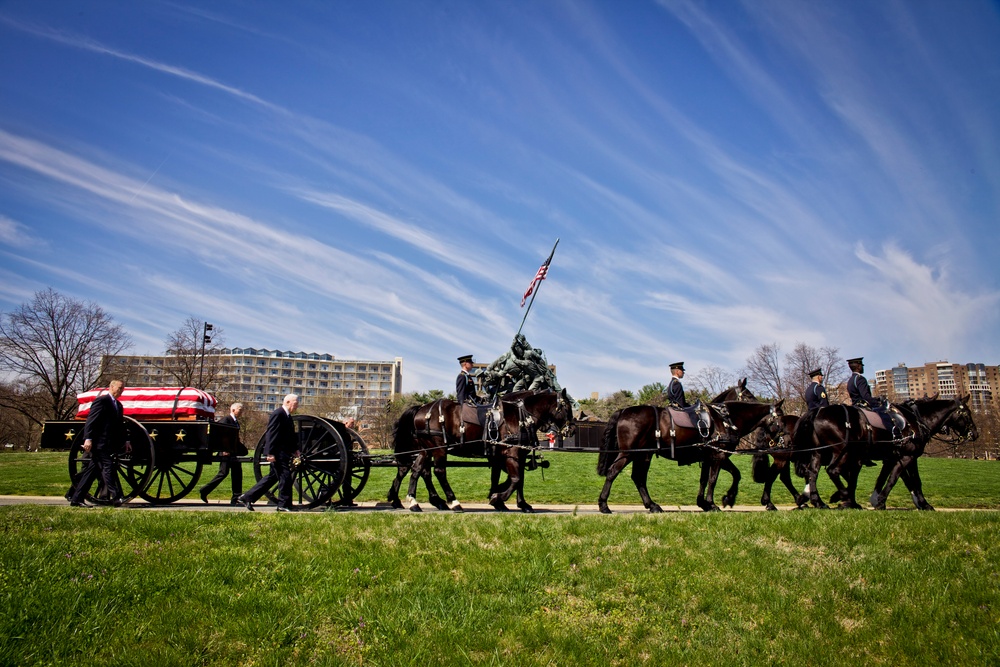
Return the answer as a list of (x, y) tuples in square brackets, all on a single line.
[(134, 468), (357, 472), (174, 475), (319, 470)]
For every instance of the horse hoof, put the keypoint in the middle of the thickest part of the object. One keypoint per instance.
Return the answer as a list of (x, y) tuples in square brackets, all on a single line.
[(499, 506), (873, 499), (800, 507), (802, 500), (880, 507), (604, 509), (712, 508), (526, 508), (728, 502), (396, 505), (849, 506), (454, 506), (412, 504), (928, 508), (655, 509), (771, 508), (838, 496)]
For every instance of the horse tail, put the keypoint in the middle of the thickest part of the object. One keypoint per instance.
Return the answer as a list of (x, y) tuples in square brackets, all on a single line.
[(759, 465), (802, 444), (609, 452), (403, 438)]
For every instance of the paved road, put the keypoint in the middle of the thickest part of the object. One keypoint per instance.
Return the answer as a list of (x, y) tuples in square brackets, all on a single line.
[(372, 506)]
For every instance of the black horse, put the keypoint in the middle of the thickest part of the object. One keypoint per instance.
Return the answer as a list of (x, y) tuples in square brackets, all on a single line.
[(635, 434), (844, 434), (428, 433)]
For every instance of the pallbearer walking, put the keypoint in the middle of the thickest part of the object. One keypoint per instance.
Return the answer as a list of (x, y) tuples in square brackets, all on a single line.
[(281, 444)]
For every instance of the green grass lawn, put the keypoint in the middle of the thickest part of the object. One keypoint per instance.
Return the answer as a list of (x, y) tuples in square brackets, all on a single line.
[(571, 479), (113, 587)]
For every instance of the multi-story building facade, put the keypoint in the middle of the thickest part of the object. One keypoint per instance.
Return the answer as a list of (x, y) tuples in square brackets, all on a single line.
[(980, 381), (263, 377)]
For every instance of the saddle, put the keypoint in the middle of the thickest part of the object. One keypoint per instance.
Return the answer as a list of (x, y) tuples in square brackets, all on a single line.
[(877, 422), (485, 417), (695, 417)]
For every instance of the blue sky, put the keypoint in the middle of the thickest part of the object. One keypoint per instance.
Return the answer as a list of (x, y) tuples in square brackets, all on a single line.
[(382, 179)]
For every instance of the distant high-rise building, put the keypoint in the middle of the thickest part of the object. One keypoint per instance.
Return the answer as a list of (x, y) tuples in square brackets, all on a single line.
[(948, 380), (263, 377)]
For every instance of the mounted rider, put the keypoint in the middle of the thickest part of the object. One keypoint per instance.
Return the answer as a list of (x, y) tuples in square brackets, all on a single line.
[(861, 397), (816, 392), (465, 384), (675, 390)]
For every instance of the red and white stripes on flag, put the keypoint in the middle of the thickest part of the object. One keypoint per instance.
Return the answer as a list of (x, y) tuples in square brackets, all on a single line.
[(539, 277)]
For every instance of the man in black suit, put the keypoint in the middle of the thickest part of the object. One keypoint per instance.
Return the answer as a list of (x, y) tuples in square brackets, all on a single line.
[(230, 460), (281, 444), (465, 385), (816, 392), (104, 436), (675, 390)]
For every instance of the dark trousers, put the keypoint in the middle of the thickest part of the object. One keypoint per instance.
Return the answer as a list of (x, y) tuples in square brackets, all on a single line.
[(228, 464), (281, 472), (100, 465)]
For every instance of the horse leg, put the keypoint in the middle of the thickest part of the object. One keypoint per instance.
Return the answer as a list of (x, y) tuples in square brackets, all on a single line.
[(812, 475), (706, 489), (880, 481), (417, 470), (609, 478), (393, 496), (784, 472), (841, 493), (513, 479), (729, 500), (851, 471), (770, 476), (911, 477), (441, 472), (897, 470), (522, 504), (640, 473)]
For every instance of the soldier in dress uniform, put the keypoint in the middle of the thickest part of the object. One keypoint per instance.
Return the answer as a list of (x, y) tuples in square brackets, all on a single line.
[(465, 385), (861, 394), (675, 390), (816, 392)]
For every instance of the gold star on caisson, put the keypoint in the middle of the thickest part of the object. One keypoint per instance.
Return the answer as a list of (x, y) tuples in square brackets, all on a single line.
[(70, 434), (153, 434), (180, 435)]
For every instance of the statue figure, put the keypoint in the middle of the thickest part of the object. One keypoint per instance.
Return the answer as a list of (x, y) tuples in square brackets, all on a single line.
[(522, 368)]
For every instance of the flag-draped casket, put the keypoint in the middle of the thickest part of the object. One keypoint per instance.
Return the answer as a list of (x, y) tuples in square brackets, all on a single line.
[(151, 403)]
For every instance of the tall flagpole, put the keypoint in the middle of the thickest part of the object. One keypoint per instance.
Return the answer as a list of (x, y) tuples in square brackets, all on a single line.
[(537, 287)]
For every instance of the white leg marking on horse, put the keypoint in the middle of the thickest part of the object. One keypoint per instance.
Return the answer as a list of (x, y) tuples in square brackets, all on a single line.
[(807, 489), (411, 502), (455, 505)]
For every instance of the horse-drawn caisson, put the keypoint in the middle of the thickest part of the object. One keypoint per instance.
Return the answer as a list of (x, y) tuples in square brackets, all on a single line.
[(172, 435)]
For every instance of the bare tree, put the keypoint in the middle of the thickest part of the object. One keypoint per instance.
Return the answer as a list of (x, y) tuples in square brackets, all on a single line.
[(805, 358), (53, 347), (764, 370), (712, 381), (195, 361)]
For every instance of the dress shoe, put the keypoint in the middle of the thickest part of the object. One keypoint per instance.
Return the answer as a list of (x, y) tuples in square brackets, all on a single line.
[(204, 496), (235, 501), (243, 500), (118, 502), (82, 503), (284, 509)]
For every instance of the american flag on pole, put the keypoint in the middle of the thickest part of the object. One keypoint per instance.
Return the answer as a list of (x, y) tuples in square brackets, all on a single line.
[(539, 277)]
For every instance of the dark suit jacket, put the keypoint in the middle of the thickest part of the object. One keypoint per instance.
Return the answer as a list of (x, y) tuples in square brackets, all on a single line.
[(280, 434), (465, 389), (105, 426), (241, 449), (675, 393), (816, 396)]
